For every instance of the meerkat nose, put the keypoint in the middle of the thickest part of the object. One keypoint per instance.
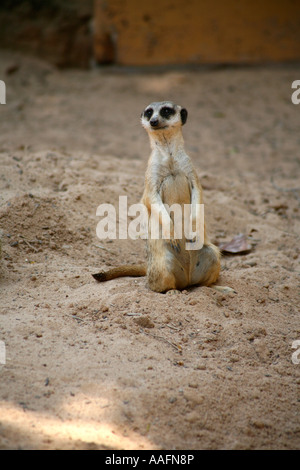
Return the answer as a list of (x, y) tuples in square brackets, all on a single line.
[(154, 122)]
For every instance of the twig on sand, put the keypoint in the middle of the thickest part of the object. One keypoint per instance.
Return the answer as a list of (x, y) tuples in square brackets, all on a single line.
[(290, 190), (30, 246), (162, 338), (105, 249)]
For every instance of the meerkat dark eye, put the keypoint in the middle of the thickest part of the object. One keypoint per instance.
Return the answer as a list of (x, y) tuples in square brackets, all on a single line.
[(148, 113), (167, 112)]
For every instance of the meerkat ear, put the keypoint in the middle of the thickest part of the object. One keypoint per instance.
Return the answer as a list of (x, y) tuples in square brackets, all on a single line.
[(183, 114)]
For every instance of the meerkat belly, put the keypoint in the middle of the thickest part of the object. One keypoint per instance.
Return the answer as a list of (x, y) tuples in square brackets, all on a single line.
[(175, 189)]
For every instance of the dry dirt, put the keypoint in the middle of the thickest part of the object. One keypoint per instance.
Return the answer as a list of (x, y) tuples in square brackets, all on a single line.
[(114, 365)]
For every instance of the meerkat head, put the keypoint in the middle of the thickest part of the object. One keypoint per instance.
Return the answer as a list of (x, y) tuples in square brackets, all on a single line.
[(163, 116)]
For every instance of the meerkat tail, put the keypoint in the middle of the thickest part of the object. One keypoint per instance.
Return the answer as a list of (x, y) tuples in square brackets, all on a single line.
[(121, 271)]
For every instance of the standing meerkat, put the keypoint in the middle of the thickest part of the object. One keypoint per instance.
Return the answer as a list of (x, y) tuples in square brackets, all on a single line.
[(170, 180)]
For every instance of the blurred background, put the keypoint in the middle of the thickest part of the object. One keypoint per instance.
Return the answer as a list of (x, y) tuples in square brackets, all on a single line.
[(82, 33)]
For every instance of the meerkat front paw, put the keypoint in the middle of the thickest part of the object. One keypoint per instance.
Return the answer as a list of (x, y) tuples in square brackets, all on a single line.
[(174, 243)]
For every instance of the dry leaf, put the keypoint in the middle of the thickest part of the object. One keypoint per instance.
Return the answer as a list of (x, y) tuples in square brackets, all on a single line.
[(239, 244)]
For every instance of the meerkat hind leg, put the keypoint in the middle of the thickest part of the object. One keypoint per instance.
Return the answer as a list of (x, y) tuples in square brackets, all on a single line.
[(161, 280), (165, 268), (207, 266)]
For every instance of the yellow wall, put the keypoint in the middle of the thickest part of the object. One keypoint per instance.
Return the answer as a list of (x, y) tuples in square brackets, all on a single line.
[(155, 32)]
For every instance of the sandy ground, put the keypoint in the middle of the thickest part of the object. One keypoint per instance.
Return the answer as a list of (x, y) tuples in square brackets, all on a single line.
[(114, 365)]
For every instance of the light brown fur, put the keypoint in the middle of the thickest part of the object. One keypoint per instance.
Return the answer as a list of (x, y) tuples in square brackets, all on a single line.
[(170, 179)]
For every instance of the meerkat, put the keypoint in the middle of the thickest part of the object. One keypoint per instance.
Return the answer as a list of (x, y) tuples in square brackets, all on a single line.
[(170, 179)]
